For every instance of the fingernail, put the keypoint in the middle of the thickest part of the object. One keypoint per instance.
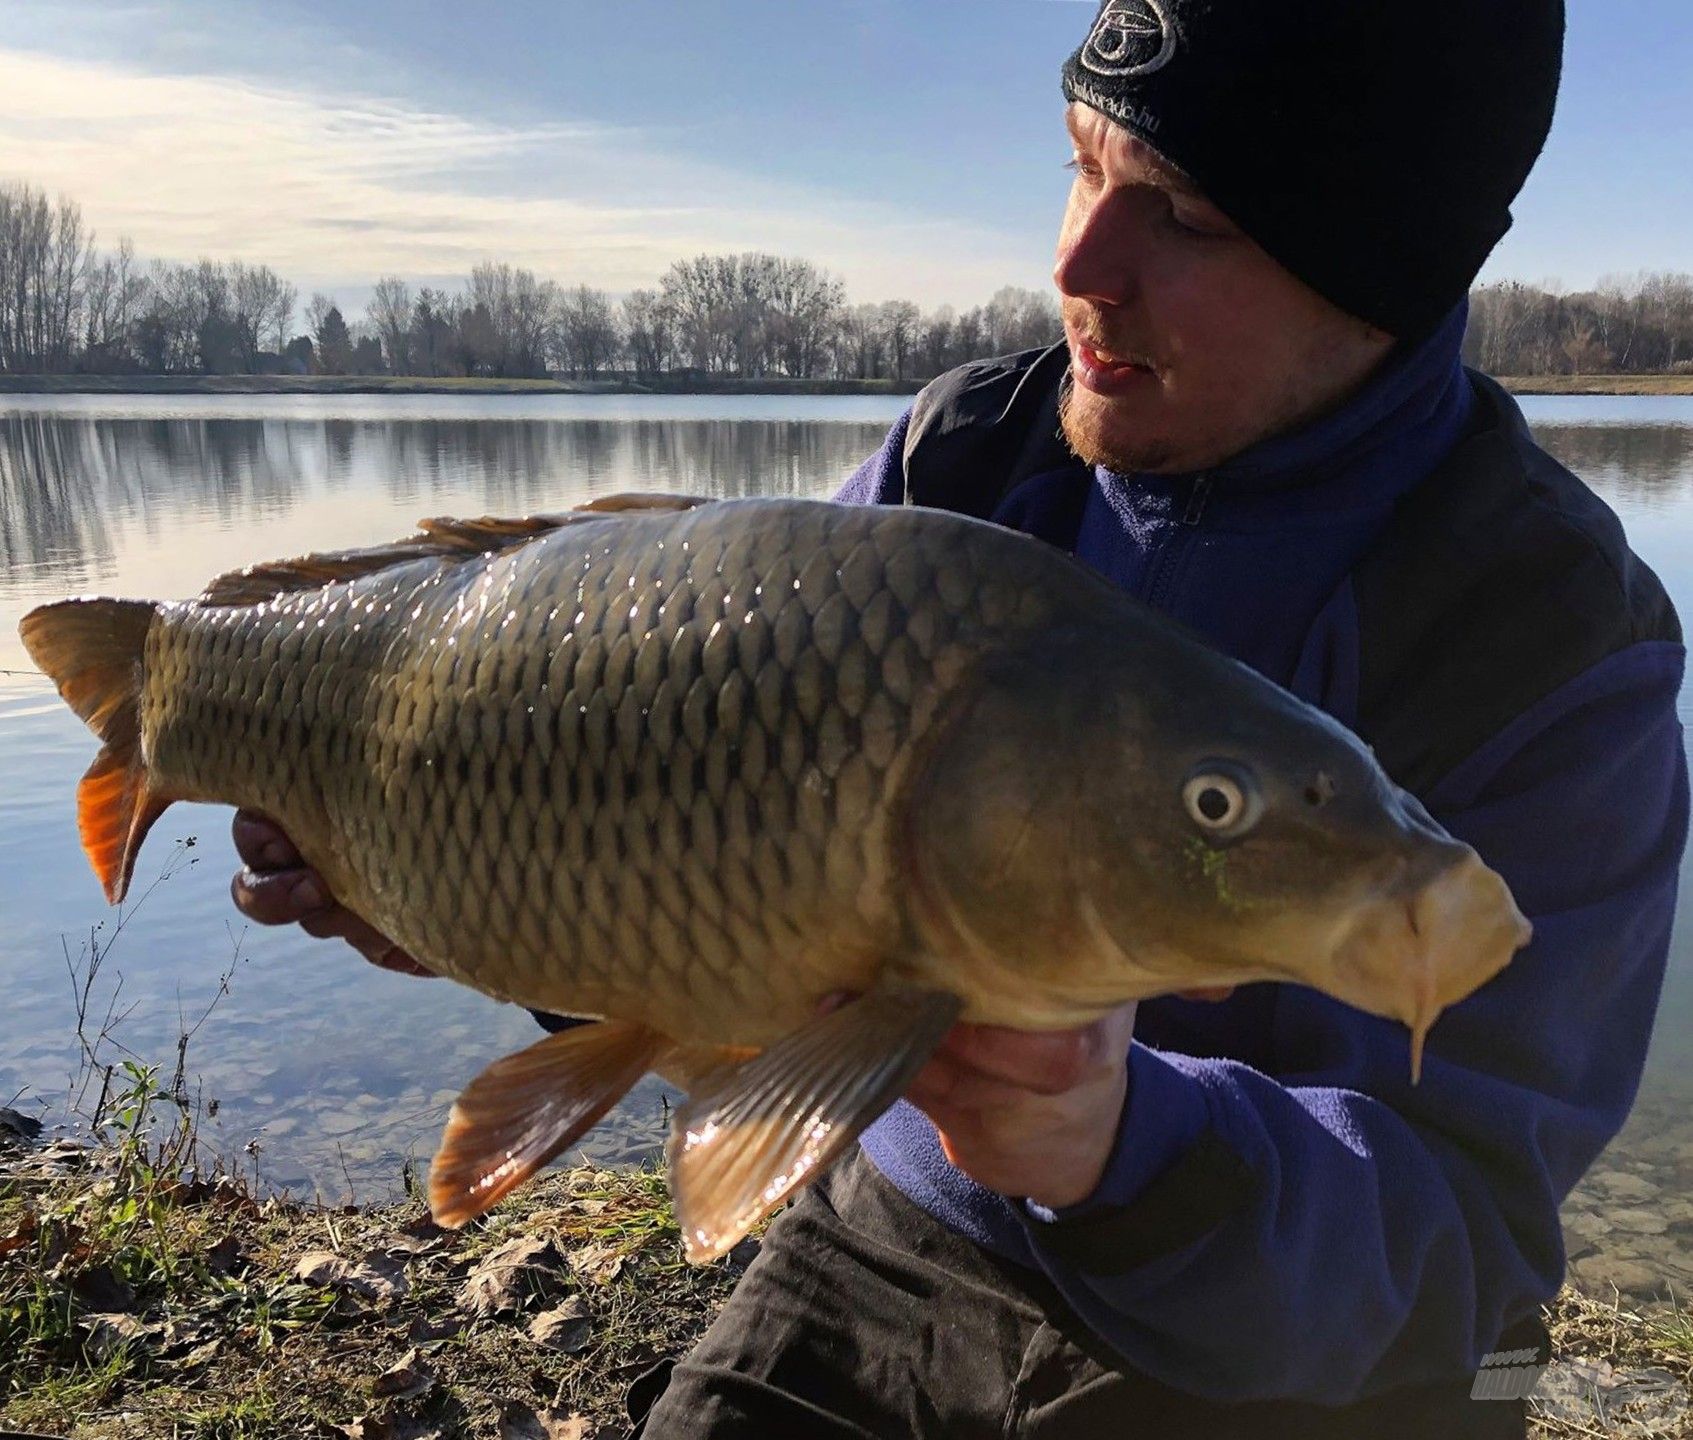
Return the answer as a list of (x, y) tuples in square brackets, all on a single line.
[(308, 895)]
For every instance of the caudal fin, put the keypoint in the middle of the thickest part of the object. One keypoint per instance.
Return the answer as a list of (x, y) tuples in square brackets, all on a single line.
[(92, 650)]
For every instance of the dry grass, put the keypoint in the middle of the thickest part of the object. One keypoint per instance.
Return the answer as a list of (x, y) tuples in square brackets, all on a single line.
[(1598, 384)]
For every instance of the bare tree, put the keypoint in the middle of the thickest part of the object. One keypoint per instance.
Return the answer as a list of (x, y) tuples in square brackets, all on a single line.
[(586, 337), (391, 313), (649, 328)]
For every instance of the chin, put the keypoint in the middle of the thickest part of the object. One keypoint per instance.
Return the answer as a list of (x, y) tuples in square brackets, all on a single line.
[(1102, 433)]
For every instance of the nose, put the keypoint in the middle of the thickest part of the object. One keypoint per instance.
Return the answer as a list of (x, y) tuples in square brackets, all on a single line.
[(1097, 249)]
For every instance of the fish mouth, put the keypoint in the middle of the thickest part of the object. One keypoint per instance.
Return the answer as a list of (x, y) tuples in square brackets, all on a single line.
[(1428, 944)]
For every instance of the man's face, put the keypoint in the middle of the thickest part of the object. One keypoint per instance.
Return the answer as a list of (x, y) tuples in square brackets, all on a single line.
[(1188, 343)]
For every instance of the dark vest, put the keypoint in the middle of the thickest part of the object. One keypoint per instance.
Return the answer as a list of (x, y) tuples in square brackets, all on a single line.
[(1499, 577)]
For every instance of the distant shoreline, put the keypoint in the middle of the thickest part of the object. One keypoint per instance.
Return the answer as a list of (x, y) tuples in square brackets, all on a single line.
[(427, 385), (455, 385)]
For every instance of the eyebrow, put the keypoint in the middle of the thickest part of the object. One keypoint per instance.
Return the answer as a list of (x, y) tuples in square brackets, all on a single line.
[(1172, 177)]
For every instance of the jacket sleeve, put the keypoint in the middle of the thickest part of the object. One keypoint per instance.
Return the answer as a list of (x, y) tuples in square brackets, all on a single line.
[(1318, 1228), (880, 480)]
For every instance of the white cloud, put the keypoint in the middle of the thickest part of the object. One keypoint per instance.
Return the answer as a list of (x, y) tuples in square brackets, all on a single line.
[(336, 191)]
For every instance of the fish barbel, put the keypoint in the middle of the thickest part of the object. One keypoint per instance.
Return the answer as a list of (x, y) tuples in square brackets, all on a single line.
[(690, 767)]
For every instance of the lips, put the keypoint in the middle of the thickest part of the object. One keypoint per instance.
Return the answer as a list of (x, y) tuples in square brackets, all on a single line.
[(1102, 371)]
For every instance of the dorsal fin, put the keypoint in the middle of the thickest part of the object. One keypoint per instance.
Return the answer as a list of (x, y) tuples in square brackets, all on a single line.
[(440, 538)]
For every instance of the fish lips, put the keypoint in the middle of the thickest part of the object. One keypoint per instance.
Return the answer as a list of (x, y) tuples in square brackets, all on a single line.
[(1436, 936)]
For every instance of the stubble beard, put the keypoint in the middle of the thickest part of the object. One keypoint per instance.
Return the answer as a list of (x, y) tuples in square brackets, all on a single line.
[(1086, 425)]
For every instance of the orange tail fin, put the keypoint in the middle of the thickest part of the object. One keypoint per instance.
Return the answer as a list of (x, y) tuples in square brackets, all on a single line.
[(92, 650)]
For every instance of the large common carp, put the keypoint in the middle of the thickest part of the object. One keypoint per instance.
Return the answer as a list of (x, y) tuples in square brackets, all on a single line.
[(693, 767)]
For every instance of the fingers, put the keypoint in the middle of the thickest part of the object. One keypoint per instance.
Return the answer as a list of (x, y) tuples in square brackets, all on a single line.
[(279, 897), (261, 843), (276, 889)]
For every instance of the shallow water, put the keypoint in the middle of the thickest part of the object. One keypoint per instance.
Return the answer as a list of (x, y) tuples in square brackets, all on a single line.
[(338, 1071)]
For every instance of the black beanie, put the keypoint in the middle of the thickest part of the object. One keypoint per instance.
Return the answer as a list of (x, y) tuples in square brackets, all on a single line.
[(1372, 147)]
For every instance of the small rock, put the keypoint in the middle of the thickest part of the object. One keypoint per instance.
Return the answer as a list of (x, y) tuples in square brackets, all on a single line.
[(408, 1379), (1600, 1273), (17, 1129), (1639, 1222), (1620, 1185), (566, 1328)]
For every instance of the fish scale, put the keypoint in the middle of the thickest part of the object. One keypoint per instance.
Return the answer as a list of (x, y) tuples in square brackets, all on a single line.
[(694, 768), (705, 695)]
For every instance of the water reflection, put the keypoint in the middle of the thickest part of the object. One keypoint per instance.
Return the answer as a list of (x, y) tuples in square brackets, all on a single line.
[(65, 482), (1649, 465)]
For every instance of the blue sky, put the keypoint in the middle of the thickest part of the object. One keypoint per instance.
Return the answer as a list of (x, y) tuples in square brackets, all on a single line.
[(915, 148)]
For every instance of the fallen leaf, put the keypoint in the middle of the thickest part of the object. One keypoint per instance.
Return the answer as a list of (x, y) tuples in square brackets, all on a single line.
[(226, 1256), (519, 1422), (378, 1277), (410, 1377), (107, 1334), (566, 1328), (598, 1263), (506, 1279), (424, 1331), (99, 1289)]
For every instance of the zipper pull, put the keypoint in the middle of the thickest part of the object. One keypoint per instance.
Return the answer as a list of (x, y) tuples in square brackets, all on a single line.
[(1196, 500)]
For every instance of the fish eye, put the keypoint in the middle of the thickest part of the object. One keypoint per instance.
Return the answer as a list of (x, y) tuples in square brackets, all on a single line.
[(1223, 799)]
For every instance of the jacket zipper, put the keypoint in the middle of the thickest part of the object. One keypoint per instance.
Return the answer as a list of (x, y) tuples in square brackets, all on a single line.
[(1164, 569)]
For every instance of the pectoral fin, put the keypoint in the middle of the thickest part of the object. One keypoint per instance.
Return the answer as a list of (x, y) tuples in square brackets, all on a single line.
[(763, 1129), (522, 1110)]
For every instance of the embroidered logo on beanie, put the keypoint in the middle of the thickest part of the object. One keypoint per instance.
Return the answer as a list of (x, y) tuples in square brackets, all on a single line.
[(1130, 38)]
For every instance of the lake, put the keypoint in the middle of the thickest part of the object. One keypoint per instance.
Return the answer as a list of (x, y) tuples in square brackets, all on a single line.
[(334, 1073)]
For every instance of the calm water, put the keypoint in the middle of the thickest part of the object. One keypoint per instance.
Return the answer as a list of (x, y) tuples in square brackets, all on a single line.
[(338, 1070)]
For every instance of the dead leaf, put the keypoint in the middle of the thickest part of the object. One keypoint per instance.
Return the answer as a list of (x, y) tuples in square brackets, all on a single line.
[(107, 1334), (566, 1328), (382, 1427), (509, 1277), (99, 1289), (519, 1422), (408, 1378), (226, 1256), (425, 1331), (377, 1277), (597, 1263)]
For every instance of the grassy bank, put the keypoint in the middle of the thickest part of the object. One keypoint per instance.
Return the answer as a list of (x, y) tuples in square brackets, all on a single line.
[(134, 1305), (135, 1308), (425, 385), (1598, 384)]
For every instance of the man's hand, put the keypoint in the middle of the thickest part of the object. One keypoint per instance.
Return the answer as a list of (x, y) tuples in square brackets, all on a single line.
[(277, 888), (1026, 1113)]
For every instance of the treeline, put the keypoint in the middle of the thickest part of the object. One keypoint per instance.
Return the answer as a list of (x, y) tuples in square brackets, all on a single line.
[(1637, 325), (66, 307)]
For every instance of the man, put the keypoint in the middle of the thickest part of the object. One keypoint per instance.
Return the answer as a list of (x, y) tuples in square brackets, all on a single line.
[(1232, 1214)]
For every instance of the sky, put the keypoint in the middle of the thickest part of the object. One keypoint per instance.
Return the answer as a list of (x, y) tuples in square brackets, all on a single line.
[(913, 147)]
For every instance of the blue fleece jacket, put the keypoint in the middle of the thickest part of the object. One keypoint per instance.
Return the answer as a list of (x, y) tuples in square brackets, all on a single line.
[(1396, 1230)]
